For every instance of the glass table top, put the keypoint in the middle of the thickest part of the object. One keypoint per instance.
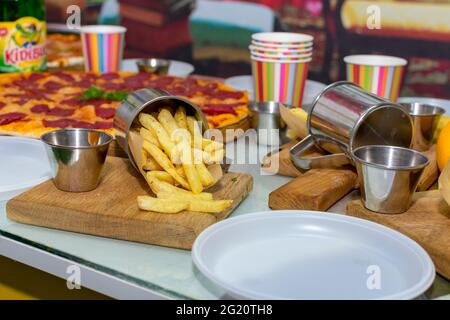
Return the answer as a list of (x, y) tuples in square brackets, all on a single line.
[(167, 271)]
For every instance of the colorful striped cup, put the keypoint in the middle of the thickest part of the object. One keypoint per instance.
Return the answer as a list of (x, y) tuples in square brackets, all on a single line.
[(279, 81), (102, 47), (381, 75), (281, 38)]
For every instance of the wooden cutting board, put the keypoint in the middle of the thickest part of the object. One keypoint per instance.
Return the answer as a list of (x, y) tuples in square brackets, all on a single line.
[(427, 222), (111, 209)]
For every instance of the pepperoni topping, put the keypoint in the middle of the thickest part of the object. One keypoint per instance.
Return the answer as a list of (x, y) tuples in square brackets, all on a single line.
[(61, 112), (220, 108), (161, 82), (105, 113), (2, 104), (110, 86), (82, 84), (40, 108), (52, 85), (103, 125), (11, 117), (23, 83), (35, 76), (109, 76), (222, 95), (65, 123), (94, 102), (72, 102), (64, 76), (179, 91), (88, 76)]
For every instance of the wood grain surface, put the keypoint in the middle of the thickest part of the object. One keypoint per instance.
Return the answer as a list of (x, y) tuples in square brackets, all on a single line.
[(111, 210), (317, 189), (427, 222)]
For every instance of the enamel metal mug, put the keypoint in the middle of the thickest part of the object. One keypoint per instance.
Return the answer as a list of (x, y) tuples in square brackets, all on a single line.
[(344, 117)]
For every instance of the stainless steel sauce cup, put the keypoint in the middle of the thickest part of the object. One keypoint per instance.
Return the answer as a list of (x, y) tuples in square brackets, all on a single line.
[(153, 65), (148, 100), (388, 176), (425, 118), (266, 119), (77, 157)]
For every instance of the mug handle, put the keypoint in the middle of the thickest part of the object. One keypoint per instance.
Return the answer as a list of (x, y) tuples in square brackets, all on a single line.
[(336, 160)]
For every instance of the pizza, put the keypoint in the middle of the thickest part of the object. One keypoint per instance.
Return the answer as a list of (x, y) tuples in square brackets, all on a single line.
[(34, 103), (64, 51)]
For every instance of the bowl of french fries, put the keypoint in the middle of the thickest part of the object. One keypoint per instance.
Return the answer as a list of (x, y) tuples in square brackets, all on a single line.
[(162, 136)]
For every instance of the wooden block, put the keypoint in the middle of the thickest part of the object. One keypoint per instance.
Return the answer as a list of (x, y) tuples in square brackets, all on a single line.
[(317, 189), (427, 222), (431, 172), (111, 210)]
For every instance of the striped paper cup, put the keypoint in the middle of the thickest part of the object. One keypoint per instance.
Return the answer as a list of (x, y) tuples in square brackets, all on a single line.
[(281, 38), (381, 75), (283, 47), (279, 81), (278, 52), (102, 47), (282, 57), (286, 60)]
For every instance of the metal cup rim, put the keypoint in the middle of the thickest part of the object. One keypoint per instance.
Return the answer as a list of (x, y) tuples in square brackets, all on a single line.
[(437, 109), (110, 138), (387, 167)]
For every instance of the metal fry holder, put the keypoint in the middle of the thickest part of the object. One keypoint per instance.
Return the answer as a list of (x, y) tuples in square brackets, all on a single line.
[(344, 117)]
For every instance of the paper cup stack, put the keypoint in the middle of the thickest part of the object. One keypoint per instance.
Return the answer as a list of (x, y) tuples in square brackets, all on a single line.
[(280, 66)]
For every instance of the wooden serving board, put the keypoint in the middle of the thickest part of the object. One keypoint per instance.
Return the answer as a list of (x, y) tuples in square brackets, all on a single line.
[(316, 189), (427, 222), (111, 210)]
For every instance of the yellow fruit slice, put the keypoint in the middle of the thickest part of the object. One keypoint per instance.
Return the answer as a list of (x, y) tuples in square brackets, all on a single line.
[(443, 147)]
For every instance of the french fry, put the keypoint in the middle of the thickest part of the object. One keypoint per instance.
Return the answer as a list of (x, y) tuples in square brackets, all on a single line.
[(168, 146), (149, 136), (151, 164), (189, 167), (214, 157), (161, 176), (166, 119), (180, 170), (180, 117), (210, 145), (164, 161), (206, 177), (195, 132), (158, 186), (161, 205), (181, 196), (210, 206)]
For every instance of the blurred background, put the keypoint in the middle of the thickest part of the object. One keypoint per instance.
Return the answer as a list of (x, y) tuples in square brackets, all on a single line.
[(214, 35)]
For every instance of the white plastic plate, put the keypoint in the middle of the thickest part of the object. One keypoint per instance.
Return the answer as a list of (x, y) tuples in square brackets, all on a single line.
[(23, 164), (311, 255)]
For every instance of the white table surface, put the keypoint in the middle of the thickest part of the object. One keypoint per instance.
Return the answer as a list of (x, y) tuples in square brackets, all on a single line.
[(124, 269)]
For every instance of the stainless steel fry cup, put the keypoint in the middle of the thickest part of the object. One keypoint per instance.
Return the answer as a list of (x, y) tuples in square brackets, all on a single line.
[(425, 118), (266, 119), (153, 65), (388, 176), (148, 100), (77, 157)]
